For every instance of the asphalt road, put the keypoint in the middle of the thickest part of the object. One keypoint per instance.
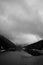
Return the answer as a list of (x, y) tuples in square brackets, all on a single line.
[(20, 58)]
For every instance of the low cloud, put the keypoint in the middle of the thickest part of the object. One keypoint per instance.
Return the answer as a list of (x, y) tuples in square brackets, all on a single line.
[(22, 20)]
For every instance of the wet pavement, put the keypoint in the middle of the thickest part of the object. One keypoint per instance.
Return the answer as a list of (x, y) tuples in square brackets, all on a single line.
[(20, 58)]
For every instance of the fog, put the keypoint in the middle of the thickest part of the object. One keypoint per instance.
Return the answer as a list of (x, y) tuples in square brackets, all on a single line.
[(21, 21), (21, 17)]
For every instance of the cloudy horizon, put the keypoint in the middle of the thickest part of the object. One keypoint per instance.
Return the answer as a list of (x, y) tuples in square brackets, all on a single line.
[(21, 18)]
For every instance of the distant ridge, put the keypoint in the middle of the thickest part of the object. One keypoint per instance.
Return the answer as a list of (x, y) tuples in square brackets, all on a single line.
[(36, 45)]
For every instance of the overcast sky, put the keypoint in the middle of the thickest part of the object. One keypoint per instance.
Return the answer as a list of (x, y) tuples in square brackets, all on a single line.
[(18, 17)]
